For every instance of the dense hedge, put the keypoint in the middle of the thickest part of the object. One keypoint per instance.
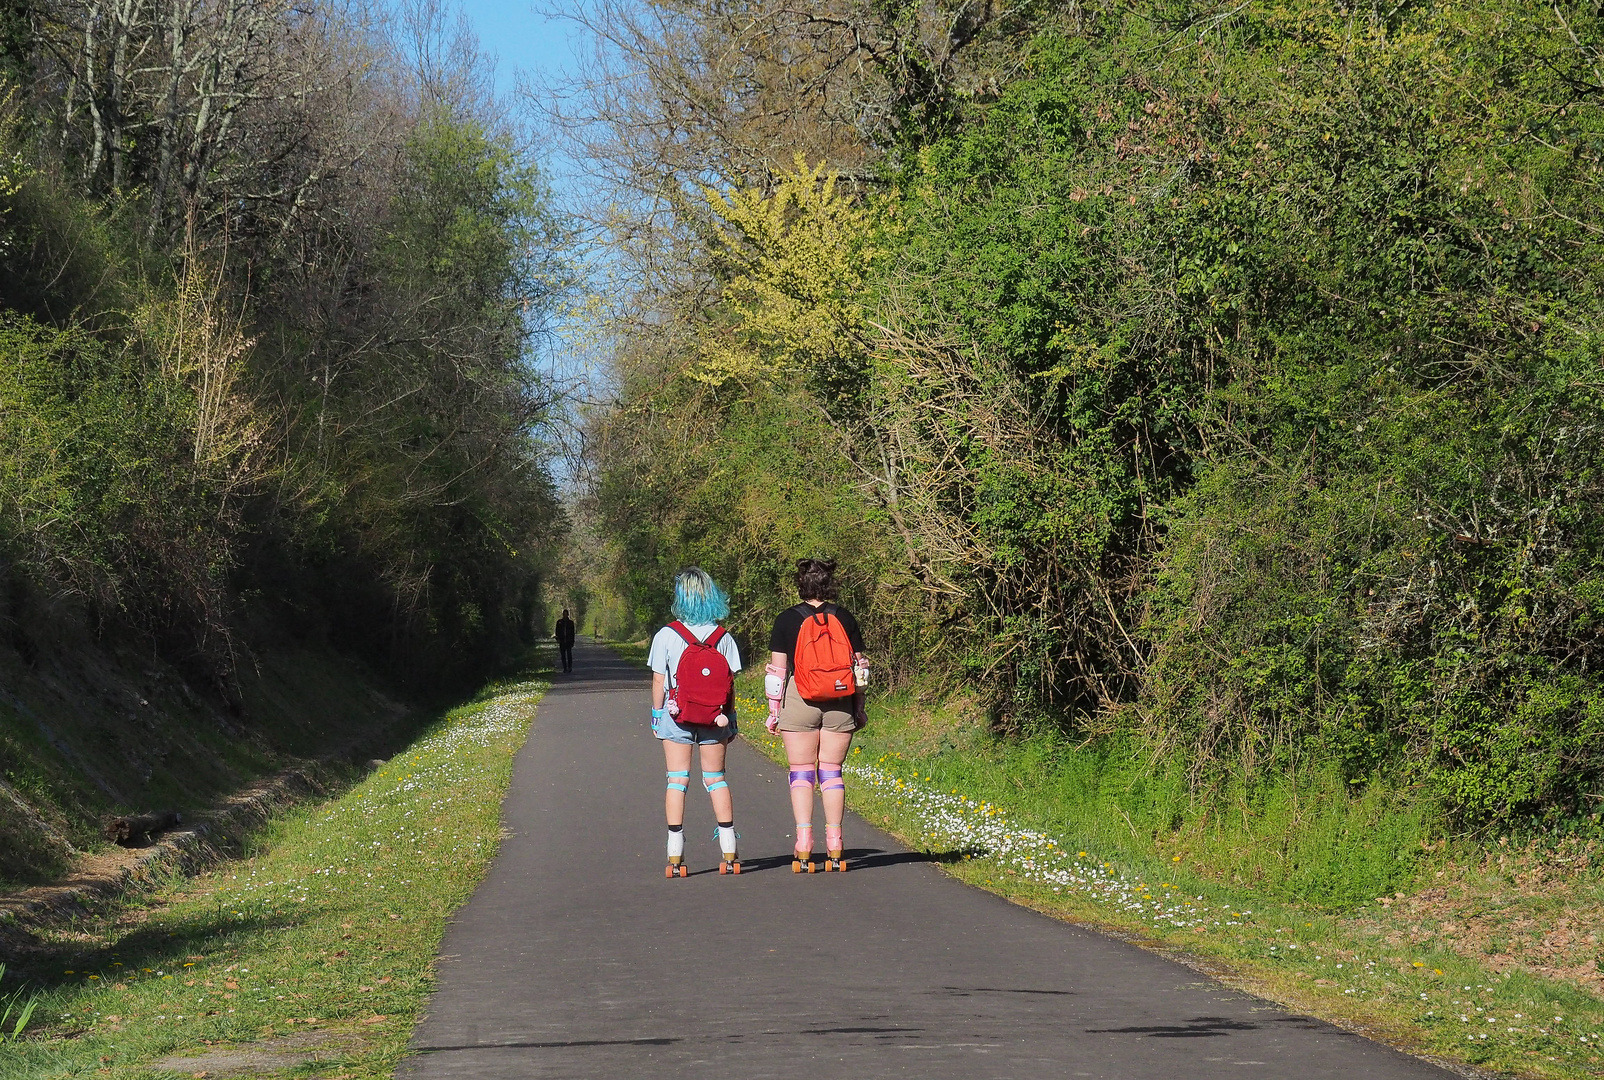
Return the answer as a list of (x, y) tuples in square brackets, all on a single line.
[(326, 430), (1231, 379)]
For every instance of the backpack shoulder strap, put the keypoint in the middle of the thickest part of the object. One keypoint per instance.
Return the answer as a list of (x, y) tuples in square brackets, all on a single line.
[(715, 637), (681, 629)]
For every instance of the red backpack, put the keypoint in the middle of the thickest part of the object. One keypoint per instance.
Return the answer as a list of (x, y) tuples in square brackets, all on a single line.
[(702, 680), (823, 658)]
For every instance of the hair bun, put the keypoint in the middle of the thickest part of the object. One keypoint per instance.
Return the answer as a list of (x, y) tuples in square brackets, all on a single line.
[(815, 579)]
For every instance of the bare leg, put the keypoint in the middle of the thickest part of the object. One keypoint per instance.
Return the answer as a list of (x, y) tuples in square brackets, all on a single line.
[(833, 747), (802, 751), (676, 759), (713, 762)]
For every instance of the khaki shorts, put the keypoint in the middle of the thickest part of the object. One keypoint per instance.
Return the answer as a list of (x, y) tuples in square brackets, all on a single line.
[(834, 715)]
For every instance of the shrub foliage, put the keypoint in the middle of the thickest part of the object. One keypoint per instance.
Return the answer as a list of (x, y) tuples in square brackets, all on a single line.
[(275, 375), (1228, 378)]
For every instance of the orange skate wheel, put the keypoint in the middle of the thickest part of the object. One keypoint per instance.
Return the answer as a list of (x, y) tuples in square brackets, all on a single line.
[(684, 871), (668, 871), (723, 867), (735, 868)]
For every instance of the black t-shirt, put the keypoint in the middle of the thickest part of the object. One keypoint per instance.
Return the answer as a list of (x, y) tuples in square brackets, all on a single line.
[(789, 625), (565, 631)]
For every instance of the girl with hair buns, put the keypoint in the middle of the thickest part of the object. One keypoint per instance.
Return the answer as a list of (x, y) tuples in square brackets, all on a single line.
[(693, 662), (814, 682)]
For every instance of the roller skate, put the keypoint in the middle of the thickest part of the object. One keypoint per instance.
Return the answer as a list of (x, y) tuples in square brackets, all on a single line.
[(802, 854), (676, 868), (832, 850), (727, 839)]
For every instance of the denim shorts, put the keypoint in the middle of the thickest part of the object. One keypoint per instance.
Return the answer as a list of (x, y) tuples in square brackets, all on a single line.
[(694, 735)]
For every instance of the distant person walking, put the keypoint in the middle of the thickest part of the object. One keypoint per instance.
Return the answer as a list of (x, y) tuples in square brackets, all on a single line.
[(694, 661), (565, 640), (814, 682)]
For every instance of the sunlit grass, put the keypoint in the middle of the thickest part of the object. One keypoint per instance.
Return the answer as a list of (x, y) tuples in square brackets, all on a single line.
[(332, 928)]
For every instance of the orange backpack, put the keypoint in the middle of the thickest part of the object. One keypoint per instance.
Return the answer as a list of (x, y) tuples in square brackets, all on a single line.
[(823, 658)]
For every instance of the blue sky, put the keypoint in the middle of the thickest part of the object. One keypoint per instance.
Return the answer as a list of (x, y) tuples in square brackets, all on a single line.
[(519, 39)]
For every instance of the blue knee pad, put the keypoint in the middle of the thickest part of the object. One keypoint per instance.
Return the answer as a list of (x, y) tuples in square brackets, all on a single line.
[(685, 777), (717, 778)]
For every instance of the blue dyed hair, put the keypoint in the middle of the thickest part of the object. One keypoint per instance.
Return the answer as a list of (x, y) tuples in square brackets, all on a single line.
[(697, 599)]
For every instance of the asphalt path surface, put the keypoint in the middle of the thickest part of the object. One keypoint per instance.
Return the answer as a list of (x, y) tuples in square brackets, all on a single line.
[(577, 958)]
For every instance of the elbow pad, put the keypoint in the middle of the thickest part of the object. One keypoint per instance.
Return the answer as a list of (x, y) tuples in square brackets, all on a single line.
[(773, 682)]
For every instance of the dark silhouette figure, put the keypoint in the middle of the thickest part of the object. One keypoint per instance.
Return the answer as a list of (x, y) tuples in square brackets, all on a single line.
[(565, 640)]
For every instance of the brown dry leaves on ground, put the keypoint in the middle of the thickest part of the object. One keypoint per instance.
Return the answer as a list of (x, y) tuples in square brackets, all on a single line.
[(1537, 911)]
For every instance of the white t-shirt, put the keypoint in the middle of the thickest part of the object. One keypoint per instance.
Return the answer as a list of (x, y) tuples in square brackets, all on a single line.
[(668, 647)]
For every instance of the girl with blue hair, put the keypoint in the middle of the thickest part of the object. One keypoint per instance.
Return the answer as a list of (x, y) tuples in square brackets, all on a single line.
[(699, 605)]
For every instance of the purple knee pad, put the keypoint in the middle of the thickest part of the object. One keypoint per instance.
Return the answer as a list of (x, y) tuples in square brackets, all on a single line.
[(830, 779), (803, 778)]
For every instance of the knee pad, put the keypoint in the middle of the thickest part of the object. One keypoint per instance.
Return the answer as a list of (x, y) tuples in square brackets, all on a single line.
[(830, 778), (684, 779), (712, 781), (803, 778)]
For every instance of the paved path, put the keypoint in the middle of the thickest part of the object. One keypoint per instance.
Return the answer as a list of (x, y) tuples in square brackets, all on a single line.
[(576, 958)]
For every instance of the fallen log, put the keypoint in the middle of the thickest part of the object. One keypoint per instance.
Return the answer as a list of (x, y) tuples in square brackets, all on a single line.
[(139, 830)]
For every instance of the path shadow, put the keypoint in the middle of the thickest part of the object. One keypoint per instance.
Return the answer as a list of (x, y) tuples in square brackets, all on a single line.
[(872, 858), (857, 859), (570, 1044), (966, 991), (1199, 1027)]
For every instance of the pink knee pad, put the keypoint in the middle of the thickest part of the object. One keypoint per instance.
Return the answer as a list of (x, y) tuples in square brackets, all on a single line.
[(830, 778), (803, 778)]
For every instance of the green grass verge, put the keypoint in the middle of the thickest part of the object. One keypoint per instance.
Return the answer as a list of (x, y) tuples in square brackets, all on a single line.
[(115, 731), (1005, 817), (328, 933)]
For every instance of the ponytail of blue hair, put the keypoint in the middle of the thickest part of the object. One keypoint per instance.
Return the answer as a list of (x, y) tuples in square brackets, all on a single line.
[(697, 598)]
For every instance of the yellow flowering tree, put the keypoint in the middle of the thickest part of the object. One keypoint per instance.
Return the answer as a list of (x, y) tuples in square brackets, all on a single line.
[(794, 263)]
